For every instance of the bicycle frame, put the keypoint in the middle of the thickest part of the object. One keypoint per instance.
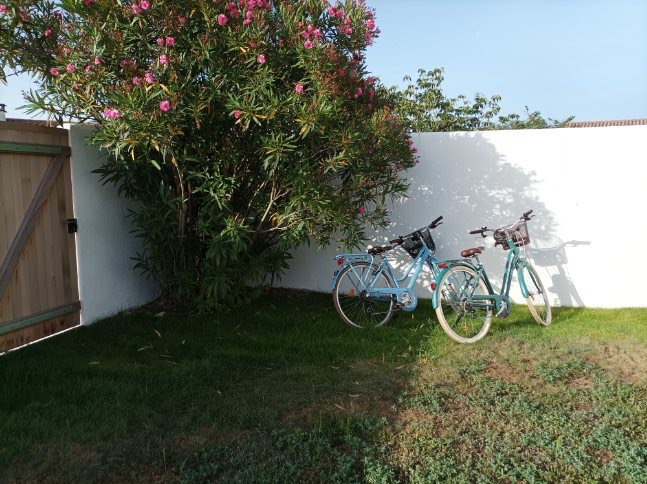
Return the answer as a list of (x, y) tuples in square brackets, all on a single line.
[(514, 261), (397, 293)]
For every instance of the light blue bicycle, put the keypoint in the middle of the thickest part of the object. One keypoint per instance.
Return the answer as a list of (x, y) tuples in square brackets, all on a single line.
[(366, 290)]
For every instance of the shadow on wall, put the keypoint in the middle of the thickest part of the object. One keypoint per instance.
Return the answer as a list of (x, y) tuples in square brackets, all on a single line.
[(553, 259), (465, 179)]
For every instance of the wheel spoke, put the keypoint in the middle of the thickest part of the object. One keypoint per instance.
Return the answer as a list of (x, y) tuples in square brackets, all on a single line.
[(353, 301), (537, 299), (463, 319)]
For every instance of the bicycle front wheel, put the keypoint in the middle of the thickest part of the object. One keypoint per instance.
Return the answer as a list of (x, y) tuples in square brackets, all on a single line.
[(464, 318), (537, 300), (354, 300)]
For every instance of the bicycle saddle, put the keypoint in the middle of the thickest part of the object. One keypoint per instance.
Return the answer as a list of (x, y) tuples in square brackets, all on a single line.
[(472, 252), (379, 250)]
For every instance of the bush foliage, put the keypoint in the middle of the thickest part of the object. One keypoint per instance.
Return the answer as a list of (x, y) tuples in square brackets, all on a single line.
[(426, 108), (242, 128)]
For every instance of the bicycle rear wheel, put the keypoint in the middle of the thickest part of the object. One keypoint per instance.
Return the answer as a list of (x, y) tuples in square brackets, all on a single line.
[(536, 300), (352, 297), (464, 319)]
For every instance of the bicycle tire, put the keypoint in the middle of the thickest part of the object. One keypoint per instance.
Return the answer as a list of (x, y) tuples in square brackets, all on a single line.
[(536, 300), (355, 308), (464, 320)]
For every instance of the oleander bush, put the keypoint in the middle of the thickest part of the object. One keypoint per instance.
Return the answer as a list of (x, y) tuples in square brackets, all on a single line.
[(242, 128)]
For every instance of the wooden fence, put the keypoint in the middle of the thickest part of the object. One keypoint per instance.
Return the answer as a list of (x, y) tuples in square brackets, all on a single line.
[(38, 278)]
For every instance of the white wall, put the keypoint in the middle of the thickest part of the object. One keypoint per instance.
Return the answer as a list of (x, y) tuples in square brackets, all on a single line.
[(585, 185), (104, 243)]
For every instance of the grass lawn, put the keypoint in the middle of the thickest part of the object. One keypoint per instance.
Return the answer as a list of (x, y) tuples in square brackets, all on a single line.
[(283, 391)]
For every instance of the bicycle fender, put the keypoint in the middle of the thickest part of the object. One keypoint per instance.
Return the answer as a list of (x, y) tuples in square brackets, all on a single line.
[(348, 260), (336, 275), (522, 281), (435, 297)]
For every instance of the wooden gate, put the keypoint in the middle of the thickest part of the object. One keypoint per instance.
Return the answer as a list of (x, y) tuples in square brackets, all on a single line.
[(38, 280)]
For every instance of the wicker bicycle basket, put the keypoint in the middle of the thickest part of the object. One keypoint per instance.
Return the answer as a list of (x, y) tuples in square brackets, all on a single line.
[(517, 233), (413, 242)]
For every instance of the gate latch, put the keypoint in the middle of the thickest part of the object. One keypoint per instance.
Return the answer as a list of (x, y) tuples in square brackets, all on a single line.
[(72, 225)]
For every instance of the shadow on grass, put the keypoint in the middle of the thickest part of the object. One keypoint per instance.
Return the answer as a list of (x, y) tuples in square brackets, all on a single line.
[(148, 379), (279, 388)]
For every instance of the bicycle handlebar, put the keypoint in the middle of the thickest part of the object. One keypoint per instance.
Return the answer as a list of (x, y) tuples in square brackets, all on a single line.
[(525, 216), (413, 235)]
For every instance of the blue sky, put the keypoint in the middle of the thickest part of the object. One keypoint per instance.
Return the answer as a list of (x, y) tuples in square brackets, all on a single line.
[(586, 58)]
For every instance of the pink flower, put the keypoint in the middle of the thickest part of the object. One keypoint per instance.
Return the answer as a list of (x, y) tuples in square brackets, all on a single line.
[(70, 68), (144, 4), (3, 9), (222, 19), (111, 113), (160, 41), (136, 9), (370, 24), (307, 44), (87, 68), (88, 2), (358, 92), (261, 58), (165, 105), (362, 210), (170, 41), (54, 71), (298, 88), (348, 31), (97, 61), (163, 60), (247, 21), (149, 78), (181, 20), (137, 81), (331, 11), (47, 32), (236, 113)]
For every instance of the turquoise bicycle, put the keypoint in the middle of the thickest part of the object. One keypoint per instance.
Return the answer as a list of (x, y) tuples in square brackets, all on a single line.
[(464, 298), (367, 292)]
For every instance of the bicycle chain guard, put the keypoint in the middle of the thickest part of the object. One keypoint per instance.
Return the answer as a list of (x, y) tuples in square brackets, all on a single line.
[(408, 301)]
